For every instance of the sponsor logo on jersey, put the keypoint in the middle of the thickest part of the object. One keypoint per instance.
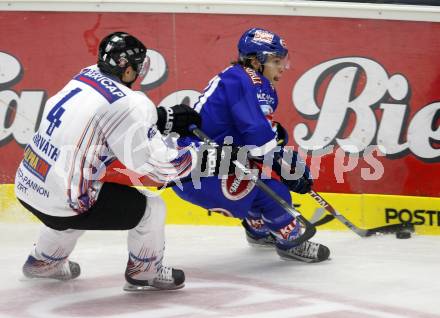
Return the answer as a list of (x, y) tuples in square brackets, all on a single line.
[(235, 188), (266, 99), (263, 36), (255, 78), (35, 164), (24, 184), (102, 84)]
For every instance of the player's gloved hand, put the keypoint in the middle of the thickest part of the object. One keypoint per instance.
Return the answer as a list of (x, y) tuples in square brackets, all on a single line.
[(217, 160), (282, 136), (177, 119), (297, 177)]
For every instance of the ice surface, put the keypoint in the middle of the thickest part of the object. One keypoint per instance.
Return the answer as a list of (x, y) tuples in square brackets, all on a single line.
[(366, 277)]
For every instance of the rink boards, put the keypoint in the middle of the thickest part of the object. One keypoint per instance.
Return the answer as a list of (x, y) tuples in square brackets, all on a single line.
[(364, 210), (361, 98)]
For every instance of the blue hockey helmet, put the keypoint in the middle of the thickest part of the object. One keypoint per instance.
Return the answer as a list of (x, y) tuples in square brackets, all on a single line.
[(261, 43)]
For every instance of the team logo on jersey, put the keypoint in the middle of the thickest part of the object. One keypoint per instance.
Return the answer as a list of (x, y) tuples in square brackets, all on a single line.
[(35, 164), (100, 83), (263, 36), (235, 188)]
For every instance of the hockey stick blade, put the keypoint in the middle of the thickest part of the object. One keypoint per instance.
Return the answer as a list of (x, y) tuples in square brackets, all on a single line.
[(392, 228), (327, 218)]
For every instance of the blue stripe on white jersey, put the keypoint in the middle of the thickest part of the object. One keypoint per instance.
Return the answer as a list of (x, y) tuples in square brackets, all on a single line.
[(105, 86)]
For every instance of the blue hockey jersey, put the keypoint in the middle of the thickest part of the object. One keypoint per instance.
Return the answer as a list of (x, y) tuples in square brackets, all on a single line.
[(239, 102)]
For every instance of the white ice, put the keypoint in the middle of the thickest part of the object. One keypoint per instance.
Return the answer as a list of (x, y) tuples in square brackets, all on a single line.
[(366, 277)]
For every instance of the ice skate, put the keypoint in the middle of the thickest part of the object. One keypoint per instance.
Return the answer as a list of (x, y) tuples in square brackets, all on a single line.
[(308, 252), (65, 270), (167, 278), (267, 240)]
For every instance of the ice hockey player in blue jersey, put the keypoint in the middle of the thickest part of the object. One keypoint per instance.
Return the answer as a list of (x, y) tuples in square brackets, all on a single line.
[(237, 106)]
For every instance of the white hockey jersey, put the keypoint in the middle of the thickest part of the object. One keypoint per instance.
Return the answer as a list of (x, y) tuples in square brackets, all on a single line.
[(92, 121)]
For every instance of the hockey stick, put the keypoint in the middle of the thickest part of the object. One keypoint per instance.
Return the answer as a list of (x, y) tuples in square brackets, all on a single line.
[(310, 229), (325, 219), (392, 228)]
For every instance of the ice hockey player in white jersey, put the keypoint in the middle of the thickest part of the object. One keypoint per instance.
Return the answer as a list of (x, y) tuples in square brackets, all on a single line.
[(95, 119)]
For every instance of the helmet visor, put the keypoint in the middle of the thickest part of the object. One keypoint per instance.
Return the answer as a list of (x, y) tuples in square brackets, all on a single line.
[(143, 68), (276, 61)]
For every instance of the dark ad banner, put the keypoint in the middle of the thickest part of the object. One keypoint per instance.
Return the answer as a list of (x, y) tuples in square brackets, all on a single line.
[(361, 100)]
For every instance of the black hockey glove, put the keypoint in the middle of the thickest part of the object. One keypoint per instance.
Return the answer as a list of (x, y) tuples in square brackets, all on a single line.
[(217, 160), (177, 119), (299, 178), (282, 136)]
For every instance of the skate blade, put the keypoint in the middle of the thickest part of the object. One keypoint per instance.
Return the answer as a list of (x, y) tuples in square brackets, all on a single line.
[(136, 288), (303, 260)]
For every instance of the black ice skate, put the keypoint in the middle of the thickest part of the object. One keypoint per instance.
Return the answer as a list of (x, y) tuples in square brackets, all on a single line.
[(308, 252), (66, 270), (167, 279), (265, 241)]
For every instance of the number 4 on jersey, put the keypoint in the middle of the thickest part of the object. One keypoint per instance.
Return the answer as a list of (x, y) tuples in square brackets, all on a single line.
[(54, 116)]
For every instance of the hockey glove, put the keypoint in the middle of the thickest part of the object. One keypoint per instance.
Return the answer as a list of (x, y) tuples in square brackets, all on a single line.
[(177, 119), (282, 136), (299, 178), (217, 160)]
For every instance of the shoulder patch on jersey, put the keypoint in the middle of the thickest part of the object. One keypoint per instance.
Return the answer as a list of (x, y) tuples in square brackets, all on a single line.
[(100, 83), (255, 78)]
